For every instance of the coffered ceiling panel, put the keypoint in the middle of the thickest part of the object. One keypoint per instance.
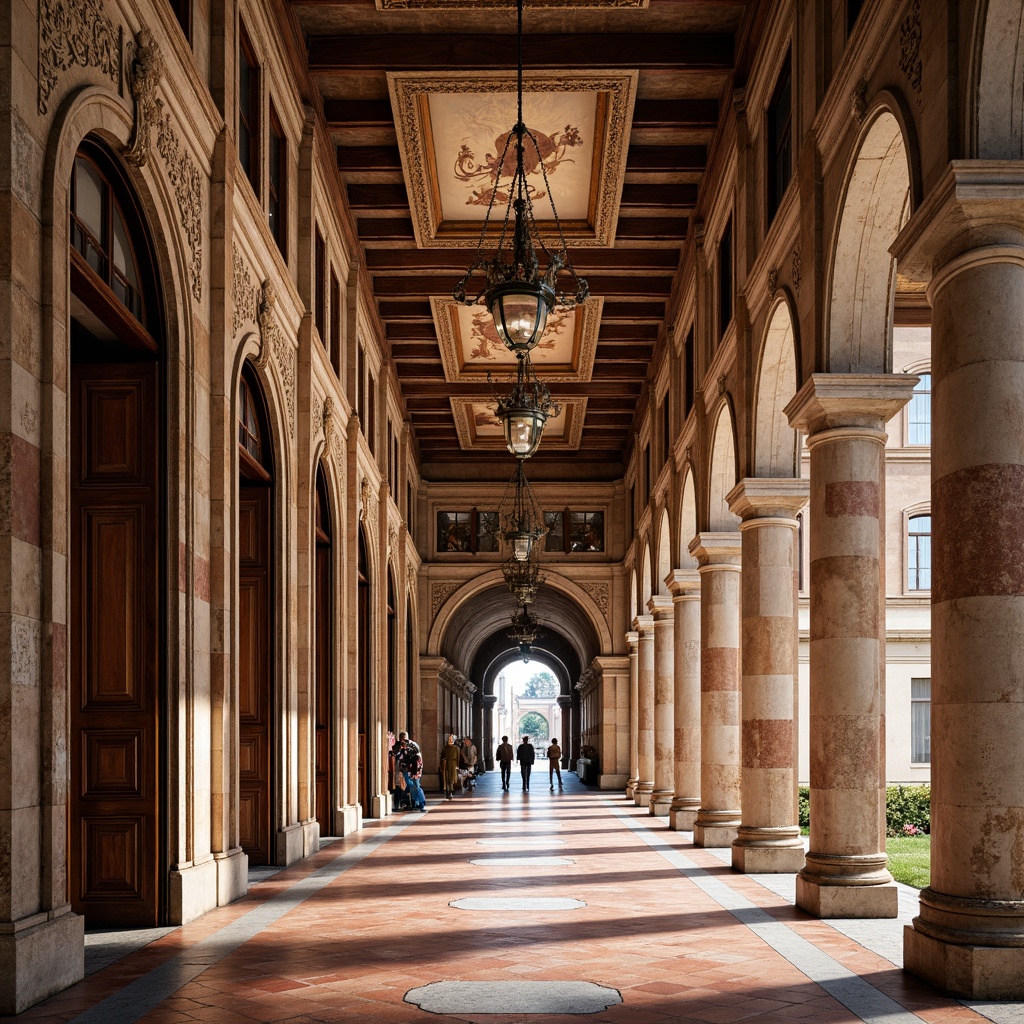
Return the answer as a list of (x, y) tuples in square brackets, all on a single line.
[(480, 430)]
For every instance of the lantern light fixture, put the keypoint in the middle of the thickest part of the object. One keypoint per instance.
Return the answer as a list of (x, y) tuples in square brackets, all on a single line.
[(525, 409), (520, 517)]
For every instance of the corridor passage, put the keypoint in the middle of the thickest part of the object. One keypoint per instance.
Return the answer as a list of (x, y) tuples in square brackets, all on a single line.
[(483, 909)]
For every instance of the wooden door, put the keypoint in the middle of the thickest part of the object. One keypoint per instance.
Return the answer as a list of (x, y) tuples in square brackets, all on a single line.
[(324, 705), (114, 828), (255, 672)]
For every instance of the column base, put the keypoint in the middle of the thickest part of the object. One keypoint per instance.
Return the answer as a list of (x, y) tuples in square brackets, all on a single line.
[(682, 819), (348, 819), (716, 836), (660, 803), (611, 782), (767, 860), (829, 901), (289, 845), (381, 806), (232, 875), (631, 788), (642, 794), (193, 891), (971, 972), (38, 960), (310, 837)]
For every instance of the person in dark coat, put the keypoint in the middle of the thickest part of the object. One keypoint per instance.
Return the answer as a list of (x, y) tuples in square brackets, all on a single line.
[(449, 766), (526, 755), (503, 755)]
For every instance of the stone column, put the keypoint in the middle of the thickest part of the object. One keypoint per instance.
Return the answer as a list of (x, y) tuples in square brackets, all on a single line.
[(969, 936), (645, 710), (664, 701), (844, 416), (565, 741), (768, 839), (487, 754), (633, 639), (718, 558), (685, 589)]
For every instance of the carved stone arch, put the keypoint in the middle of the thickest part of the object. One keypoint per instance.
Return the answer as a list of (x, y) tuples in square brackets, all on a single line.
[(881, 188), (722, 465), (687, 519), (633, 598), (478, 584), (663, 557), (646, 578), (995, 93), (776, 443)]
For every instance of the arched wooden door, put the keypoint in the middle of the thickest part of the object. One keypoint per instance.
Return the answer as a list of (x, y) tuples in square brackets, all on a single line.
[(324, 710), (255, 618), (117, 566), (363, 678)]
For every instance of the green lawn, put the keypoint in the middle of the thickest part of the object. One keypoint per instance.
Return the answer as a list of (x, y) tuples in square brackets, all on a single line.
[(910, 859)]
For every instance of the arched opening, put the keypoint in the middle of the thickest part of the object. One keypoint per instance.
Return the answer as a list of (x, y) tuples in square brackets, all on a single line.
[(687, 522), (999, 89), (364, 673), (664, 554), (776, 452), (645, 578), (536, 726), (117, 563), (324, 663), (876, 206), (722, 478), (256, 733), (394, 706)]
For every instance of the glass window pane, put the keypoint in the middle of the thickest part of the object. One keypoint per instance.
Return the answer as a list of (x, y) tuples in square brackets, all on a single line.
[(487, 531), (920, 721), (123, 258), (89, 198), (554, 539), (919, 553), (919, 415), (586, 531), (453, 531)]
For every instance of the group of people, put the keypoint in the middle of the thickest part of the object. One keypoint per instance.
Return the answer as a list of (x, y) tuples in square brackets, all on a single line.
[(458, 767), (526, 755)]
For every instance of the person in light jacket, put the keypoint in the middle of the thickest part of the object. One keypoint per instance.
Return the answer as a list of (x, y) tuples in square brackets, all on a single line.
[(448, 769), (526, 755), (504, 755), (554, 767)]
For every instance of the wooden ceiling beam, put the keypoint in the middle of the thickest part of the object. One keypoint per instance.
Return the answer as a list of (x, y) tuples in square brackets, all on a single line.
[(455, 261), (668, 51), (418, 393), (413, 288), (678, 196), (378, 197), (665, 159)]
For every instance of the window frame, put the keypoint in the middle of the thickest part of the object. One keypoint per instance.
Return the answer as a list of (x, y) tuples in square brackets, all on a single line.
[(928, 702), (566, 514), (277, 193), (475, 513), (920, 370), (915, 512), (777, 140), (726, 262), (247, 53), (320, 286)]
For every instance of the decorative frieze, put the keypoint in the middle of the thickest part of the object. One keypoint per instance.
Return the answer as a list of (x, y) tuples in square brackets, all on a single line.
[(910, 45), (859, 101), (600, 593), (439, 593), (795, 268), (273, 341), (244, 293), (145, 69), (76, 32)]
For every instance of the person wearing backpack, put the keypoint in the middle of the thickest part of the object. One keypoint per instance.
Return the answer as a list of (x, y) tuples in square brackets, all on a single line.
[(526, 755)]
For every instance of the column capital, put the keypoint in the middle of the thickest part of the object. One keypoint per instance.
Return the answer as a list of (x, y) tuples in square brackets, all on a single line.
[(489, 699), (661, 608), (564, 700), (632, 638), (716, 549), (644, 626), (828, 401), (683, 584), (768, 498), (977, 204)]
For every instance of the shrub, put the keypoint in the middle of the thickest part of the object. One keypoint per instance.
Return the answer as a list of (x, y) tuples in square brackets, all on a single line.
[(804, 806), (906, 808)]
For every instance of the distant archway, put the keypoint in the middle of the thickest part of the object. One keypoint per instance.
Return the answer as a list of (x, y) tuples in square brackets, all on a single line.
[(997, 99), (722, 477), (776, 452), (687, 522), (664, 553), (536, 726)]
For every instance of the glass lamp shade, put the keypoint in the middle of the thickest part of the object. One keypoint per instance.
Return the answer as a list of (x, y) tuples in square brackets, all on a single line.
[(521, 542), (524, 427), (520, 310)]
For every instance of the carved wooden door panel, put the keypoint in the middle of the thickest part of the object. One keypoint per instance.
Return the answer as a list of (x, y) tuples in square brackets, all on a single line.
[(255, 673), (323, 687), (114, 828)]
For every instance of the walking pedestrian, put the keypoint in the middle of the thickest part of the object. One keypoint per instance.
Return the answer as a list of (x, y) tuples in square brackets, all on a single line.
[(503, 755), (554, 764), (448, 769), (409, 762), (526, 755)]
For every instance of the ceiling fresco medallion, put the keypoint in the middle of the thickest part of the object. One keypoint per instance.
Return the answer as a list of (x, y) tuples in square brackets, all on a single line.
[(480, 430), (470, 348), (452, 131)]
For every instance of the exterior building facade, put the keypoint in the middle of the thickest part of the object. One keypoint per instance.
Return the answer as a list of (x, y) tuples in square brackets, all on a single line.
[(227, 574)]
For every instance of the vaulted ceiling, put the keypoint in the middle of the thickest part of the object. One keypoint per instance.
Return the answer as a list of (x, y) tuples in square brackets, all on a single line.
[(407, 83)]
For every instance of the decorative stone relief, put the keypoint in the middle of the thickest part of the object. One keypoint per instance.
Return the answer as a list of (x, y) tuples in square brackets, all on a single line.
[(688, 454), (366, 505), (328, 422), (316, 418), (859, 101), (145, 69), (721, 383), (76, 32), (439, 593), (795, 268), (600, 593), (773, 281), (392, 537), (910, 45), (187, 183), (272, 341), (244, 294), (412, 575)]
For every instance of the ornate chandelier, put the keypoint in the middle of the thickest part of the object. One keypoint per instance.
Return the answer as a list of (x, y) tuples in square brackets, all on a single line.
[(523, 579), (521, 519), (524, 411), (523, 631), (518, 293)]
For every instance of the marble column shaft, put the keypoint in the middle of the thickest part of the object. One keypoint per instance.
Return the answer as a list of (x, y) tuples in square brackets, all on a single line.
[(664, 700), (844, 416), (645, 711), (633, 639), (718, 557), (969, 936), (685, 589), (768, 839)]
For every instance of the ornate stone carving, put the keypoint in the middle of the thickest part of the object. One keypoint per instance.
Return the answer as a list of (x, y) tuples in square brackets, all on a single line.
[(859, 101), (187, 183), (688, 454), (316, 414), (795, 268), (600, 593), (244, 294), (145, 69), (721, 383), (328, 422), (273, 341), (76, 32), (773, 281), (392, 537), (365, 499), (439, 593), (910, 45)]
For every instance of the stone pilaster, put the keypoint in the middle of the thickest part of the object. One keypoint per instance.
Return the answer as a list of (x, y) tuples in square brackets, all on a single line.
[(565, 739), (768, 839), (633, 639), (968, 240), (488, 701), (844, 417), (718, 558), (645, 710), (685, 589), (664, 701)]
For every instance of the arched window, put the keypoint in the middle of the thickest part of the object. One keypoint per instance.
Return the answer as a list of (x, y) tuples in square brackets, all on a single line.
[(919, 553), (919, 412), (252, 430)]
